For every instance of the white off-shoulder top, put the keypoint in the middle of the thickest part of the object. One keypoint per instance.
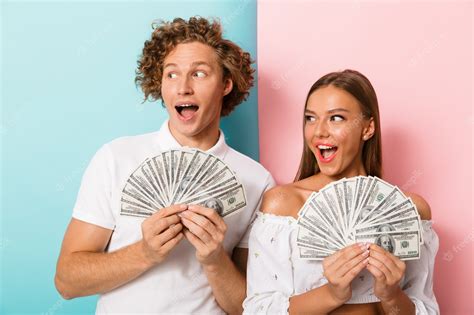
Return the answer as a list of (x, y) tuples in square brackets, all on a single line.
[(275, 272)]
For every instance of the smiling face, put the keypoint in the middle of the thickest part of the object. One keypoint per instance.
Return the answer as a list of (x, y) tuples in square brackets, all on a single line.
[(335, 130), (193, 88)]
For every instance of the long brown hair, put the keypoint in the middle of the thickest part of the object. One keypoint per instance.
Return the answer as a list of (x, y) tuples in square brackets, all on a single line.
[(362, 90)]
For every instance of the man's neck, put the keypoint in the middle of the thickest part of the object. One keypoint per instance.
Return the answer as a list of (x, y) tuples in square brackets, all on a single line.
[(203, 141)]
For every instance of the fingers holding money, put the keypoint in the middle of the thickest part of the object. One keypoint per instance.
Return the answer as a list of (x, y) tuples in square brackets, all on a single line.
[(161, 233), (206, 231), (342, 267), (388, 270)]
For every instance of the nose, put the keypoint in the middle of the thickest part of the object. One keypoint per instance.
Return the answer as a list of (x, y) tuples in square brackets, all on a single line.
[(321, 129), (185, 87)]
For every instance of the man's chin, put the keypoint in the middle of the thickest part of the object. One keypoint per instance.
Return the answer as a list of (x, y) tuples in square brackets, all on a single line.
[(187, 130)]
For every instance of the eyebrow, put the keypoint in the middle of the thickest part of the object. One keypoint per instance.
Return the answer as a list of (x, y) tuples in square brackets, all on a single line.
[(329, 111), (194, 64)]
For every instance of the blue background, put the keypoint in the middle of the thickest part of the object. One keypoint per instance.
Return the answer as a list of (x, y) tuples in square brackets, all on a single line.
[(67, 87)]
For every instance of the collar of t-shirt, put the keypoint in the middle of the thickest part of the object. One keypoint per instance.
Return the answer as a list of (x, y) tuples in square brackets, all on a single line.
[(167, 141)]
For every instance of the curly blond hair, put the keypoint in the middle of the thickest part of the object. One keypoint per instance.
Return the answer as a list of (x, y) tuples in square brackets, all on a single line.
[(236, 63)]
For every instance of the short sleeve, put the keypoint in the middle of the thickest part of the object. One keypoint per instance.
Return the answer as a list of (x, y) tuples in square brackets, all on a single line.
[(269, 183), (418, 282), (270, 280), (93, 203)]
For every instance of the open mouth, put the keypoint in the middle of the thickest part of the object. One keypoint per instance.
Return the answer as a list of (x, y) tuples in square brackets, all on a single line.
[(327, 152), (186, 111)]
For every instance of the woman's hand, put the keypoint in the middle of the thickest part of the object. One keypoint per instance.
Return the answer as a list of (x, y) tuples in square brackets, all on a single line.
[(388, 271), (342, 267)]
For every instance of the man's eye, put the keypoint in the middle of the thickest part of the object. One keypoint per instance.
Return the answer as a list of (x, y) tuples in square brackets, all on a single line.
[(171, 75), (309, 118), (337, 118), (200, 74)]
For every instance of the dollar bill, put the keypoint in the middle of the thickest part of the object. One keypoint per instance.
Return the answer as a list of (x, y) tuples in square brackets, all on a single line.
[(351, 210), (182, 176), (224, 202), (405, 245)]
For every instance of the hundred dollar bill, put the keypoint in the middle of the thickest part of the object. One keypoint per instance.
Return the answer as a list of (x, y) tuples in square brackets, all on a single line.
[(134, 189), (228, 183), (404, 224), (160, 171), (174, 160), (403, 213), (381, 215), (312, 254), (216, 190), (319, 207), (142, 185), (137, 204), (309, 246), (166, 159), (158, 185), (194, 166), (147, 175), (218, 172), (224, 202), (130, 192), (394, 198), (339, 194), (183, 163), (361, 183), (134, 211), (348, 193), (318, 241), (376, 193), (330, 198), (311, 221), (405, 245), (200, 172)]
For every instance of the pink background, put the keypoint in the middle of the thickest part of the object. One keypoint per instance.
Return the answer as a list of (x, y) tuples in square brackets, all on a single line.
[(418, 56)]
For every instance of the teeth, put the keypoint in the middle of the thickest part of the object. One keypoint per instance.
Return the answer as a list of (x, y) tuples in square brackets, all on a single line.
[(324, 147), (186, 105)]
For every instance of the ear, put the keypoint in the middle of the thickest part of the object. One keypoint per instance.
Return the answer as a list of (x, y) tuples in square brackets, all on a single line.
[(369, 130), (228, 85)]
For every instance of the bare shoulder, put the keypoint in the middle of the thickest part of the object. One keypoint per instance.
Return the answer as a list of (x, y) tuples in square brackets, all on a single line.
[(283, 200), (423, 207)]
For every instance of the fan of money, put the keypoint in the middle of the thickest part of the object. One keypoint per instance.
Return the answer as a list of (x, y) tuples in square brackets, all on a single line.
[(359, 209), (188, 176)]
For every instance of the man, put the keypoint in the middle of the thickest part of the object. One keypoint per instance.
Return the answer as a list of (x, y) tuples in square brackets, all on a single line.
[(184, 258)]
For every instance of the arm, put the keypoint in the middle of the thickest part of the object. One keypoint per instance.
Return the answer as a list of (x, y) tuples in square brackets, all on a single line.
[(205, 230), (339, 269), (228, 282), (418, 281), (84, 269)]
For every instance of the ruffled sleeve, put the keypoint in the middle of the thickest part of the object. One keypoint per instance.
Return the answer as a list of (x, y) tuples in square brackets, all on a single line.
[(418, 282), (270, 280)]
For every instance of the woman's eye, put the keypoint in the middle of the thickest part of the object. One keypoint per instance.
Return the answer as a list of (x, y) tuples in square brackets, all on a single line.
[(200, 74), (337, 118), (171, 75), (309, 118)]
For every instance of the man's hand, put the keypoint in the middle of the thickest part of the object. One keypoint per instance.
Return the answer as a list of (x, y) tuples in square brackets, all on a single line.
[(205, 230), (161, 233)]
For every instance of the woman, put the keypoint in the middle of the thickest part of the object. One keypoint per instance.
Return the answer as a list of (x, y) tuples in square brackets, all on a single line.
[(342, 138)]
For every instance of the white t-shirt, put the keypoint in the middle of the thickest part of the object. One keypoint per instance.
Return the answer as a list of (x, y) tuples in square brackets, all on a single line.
[(178, 285)]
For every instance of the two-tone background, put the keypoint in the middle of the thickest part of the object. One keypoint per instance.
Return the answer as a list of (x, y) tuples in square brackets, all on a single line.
[(67, 87)]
